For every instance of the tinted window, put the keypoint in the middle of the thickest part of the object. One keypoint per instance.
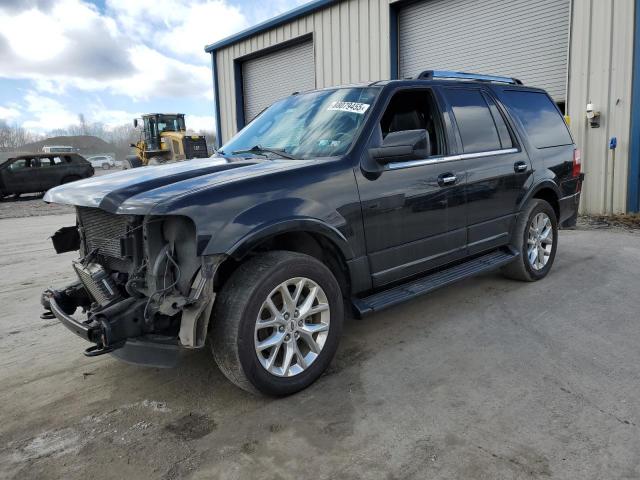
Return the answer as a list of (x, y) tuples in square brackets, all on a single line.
[(475, 122), (541, 119), (19, 164), (50, 161), (501, 125)]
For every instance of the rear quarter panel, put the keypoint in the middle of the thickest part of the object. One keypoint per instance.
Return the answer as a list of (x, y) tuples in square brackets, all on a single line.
[(552, 166)]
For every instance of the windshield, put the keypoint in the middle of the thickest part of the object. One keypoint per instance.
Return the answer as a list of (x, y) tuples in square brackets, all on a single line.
[(170, 123), (316, 124)]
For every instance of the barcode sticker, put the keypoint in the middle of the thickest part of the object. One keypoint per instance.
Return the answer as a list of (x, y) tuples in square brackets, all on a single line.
[(351, 107)]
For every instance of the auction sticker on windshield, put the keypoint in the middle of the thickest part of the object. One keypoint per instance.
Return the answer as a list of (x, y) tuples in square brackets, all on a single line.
[(352, 107)]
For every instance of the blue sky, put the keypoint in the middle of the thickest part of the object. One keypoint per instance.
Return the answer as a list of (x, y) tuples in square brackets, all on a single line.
[(114, 59)]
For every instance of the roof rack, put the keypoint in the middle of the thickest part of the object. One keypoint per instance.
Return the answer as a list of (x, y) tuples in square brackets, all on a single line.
[(433, 74)]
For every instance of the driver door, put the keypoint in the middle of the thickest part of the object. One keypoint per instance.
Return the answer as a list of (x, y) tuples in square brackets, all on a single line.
[(413, 211)]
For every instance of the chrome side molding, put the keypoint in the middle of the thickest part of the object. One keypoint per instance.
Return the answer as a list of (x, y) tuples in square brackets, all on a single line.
[(449, 158)]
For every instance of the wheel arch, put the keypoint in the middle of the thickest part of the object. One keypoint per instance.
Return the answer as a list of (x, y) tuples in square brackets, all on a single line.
[(547, 191), (308, 236)]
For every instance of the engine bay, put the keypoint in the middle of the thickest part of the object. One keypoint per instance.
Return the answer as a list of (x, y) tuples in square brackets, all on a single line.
[(139, 277)]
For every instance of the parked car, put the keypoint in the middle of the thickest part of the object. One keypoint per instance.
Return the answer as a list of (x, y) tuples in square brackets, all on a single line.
[(105, 162), (38, 172), (371, 194)]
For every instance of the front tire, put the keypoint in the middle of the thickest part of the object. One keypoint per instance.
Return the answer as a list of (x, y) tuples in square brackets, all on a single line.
[(131, 161), (277, 323), (536, 239)]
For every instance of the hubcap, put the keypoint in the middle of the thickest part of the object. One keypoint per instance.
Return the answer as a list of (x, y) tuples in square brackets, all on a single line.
[(539, 241), (292, 327)]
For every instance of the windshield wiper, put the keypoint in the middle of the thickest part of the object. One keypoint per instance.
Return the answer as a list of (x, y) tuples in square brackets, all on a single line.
[(257, 149)]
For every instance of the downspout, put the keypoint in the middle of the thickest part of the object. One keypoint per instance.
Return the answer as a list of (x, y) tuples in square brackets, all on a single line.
[(216, 99)]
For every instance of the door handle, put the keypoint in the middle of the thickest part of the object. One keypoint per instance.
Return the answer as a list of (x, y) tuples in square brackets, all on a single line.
[(520, 167), (447, 179)]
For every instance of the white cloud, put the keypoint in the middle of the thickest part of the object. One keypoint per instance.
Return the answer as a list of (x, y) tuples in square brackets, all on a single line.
[(183, 27), (199, 123), (9, 113), (27, 33), (46, 112), (140, 49), (159, 76), (201, 25), (86, 50), (111, 118)]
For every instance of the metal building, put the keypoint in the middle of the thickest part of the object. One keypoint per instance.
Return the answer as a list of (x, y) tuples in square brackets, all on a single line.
[(581, 51)]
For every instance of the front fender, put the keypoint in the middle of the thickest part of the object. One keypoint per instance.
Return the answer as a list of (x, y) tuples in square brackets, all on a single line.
[(254, 225)]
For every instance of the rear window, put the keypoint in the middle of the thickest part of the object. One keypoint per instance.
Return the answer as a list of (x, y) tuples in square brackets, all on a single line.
[(50, 161), (542, 121), (475, 122)]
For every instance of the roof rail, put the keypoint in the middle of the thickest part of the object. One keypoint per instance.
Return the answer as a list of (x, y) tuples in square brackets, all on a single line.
[(433, 74)]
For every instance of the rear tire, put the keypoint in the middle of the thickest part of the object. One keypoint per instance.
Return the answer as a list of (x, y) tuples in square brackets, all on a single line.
[(536, 239), (244, 322), (106, 166)]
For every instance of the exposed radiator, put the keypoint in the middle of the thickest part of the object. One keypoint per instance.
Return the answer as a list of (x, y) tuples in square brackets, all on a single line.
[(103, 231)]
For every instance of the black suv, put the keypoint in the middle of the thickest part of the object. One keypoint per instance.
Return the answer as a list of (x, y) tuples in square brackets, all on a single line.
[(372, 194), (38, 172)]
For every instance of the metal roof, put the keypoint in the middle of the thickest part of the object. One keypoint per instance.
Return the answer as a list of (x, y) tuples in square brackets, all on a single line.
[(286, 17)]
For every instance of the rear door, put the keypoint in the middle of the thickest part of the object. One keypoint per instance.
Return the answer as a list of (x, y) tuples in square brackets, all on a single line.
[(51, 172), (497, 168)]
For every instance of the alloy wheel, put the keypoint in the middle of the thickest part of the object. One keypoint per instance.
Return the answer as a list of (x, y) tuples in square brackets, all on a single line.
[(539, 241), (292, 327)]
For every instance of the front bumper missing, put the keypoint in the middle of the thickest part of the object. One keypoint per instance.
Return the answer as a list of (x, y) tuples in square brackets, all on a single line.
[(119, 325), (99, 334), (150, 350)]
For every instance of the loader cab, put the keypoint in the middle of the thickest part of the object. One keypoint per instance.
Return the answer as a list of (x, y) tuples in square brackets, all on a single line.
[(157, 123)]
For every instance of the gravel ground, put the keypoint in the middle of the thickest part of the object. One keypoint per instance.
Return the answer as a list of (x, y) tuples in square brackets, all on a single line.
[(488, 379)]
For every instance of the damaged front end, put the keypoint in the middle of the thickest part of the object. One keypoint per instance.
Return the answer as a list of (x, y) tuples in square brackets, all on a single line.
[(144, 292)]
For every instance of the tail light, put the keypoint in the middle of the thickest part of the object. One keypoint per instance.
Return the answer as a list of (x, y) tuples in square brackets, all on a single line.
[(577, 163)]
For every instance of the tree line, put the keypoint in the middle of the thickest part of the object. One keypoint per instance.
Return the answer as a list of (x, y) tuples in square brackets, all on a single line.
[(14, 137)]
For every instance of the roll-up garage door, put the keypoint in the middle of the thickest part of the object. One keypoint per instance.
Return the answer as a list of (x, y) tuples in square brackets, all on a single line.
[(526, 39), (275, 75)]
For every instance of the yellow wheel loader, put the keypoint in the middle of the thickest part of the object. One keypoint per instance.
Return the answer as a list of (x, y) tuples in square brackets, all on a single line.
[(164, 139)]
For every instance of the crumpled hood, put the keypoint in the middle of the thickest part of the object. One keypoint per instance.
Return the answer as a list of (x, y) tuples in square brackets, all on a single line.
[(139, 190)]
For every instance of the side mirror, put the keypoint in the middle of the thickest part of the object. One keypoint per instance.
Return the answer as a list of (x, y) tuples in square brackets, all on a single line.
[(402, 146), (135, 123), (132, 145)]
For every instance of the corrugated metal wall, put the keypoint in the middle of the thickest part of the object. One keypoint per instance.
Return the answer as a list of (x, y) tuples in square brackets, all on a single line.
[(351, 41), (600, 72), (527, 39)]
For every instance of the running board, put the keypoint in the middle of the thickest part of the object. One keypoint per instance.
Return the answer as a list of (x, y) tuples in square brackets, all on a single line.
[(415, 288)]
